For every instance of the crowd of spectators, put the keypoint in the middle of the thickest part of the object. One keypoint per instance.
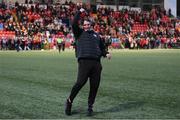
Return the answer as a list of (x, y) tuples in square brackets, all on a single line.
[(37, 26)]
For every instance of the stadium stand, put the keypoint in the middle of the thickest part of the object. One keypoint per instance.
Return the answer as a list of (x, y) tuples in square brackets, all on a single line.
[(41, 24)]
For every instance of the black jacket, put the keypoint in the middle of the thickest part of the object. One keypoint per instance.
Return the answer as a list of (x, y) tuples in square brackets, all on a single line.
[(88, 43)]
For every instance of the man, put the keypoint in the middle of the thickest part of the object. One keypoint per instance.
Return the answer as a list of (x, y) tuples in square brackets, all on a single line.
[(59, 43), (90, 48)]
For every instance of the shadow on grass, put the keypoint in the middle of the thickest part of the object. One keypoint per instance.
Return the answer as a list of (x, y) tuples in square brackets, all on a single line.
[(116, 108), (121, 107), (77, 111), (74, 112)]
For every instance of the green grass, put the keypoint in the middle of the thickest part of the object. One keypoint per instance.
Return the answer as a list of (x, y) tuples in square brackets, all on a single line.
[(135, 84)]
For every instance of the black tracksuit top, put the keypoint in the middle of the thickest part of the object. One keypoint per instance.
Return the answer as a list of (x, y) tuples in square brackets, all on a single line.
[(88, 43)]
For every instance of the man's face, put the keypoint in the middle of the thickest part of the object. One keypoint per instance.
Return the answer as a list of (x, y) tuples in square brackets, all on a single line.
[(86, 25)]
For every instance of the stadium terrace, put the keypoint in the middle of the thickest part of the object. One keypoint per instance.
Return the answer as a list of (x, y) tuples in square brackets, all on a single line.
[(33, 26)]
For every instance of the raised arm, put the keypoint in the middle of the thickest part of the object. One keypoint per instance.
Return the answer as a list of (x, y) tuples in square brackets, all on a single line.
[(75, 25)]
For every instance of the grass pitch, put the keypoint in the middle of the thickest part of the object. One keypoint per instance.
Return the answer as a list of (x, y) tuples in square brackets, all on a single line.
[(135, 84)]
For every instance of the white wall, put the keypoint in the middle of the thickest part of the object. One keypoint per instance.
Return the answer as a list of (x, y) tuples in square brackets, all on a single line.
[(172, 4), (13, 1)]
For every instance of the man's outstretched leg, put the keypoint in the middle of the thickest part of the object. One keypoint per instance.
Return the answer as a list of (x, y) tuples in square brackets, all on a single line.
[(83, 71)]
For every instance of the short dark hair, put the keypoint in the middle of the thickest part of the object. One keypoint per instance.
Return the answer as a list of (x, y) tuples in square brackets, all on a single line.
[(82, 21), (87, 20)]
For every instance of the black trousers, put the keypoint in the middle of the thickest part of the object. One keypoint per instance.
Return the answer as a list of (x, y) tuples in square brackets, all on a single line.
[(59, 47), (87, 69)]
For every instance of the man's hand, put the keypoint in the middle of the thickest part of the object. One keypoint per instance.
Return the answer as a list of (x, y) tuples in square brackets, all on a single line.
[(109, 56), (82, 10)]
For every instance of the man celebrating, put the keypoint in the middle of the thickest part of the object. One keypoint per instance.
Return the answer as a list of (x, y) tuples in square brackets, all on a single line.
[(90, 49)]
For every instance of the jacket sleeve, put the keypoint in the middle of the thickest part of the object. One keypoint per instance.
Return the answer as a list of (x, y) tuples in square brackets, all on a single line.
[(75, 26), (104, 50)]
